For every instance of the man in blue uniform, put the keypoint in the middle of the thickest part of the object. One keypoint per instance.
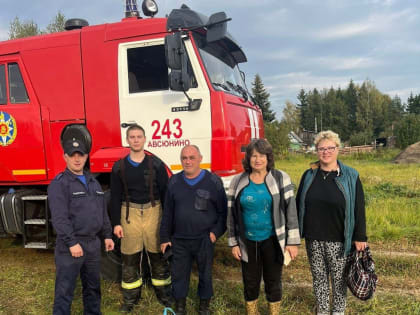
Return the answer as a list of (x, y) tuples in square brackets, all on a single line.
[(79, 216), (193, 218)]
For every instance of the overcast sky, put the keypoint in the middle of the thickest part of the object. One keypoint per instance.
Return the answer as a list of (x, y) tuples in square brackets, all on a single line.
[(292, 44)]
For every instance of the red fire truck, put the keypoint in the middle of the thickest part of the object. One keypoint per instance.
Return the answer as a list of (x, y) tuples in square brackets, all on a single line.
[(178, 77)]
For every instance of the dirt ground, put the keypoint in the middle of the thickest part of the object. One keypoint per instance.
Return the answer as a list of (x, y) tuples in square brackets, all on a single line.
[(410, 155)]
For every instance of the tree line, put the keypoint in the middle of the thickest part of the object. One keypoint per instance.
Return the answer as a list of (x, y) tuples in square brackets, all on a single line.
[(359, 114), (21, 29)]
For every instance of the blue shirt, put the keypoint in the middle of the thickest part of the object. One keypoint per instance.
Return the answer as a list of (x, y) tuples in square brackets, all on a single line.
[(256, 203), (83, 180), (135, 164), (195, 180)]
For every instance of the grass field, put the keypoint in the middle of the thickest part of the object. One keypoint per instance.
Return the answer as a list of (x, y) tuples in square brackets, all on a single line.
[(393, 223)]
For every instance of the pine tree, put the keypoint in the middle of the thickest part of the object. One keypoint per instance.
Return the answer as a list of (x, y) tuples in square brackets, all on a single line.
[(413, 104), (261, 98)]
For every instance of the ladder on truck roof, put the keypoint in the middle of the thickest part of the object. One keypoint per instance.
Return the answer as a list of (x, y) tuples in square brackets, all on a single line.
[(45, 241)]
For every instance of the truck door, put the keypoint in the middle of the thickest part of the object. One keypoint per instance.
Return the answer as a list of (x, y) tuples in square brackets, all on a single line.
[(22, 156), (145, 99)]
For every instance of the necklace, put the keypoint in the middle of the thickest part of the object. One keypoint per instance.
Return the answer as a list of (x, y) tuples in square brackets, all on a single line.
[(325, 174)]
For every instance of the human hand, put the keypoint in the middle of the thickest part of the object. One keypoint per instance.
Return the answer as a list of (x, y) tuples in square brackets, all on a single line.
[(76, 251), (360, 246), (164, 245), (293, 251), (236, 252), (109, 244), (213, 237), (118, 231)]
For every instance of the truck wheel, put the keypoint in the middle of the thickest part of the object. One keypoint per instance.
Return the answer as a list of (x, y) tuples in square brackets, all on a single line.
[(111, 263), (78, 132)]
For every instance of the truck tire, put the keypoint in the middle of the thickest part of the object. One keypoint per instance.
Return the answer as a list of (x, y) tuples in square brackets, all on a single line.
[(77, 132), (11, 210), (111, 263)]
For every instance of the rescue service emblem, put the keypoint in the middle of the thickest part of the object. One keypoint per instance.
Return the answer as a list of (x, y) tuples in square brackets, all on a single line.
[(8, 129)]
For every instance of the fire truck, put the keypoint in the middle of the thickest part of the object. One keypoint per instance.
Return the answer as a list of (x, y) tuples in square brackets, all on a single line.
[(178, 77)]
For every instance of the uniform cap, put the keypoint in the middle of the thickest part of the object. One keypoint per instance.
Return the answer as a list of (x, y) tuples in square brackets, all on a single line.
[(74, 145)]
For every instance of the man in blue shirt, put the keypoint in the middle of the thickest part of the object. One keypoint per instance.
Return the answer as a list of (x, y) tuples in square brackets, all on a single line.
[(79, 216), (193, 218)]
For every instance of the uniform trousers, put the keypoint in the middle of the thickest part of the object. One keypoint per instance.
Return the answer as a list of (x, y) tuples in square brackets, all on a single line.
[(184, 252), (68, 269)]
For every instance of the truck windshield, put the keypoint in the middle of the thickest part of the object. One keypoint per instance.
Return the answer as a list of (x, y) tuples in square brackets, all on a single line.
[(221, 67)]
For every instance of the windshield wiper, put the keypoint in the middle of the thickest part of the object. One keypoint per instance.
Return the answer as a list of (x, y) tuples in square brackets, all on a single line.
[(223, 86), (239, 89)]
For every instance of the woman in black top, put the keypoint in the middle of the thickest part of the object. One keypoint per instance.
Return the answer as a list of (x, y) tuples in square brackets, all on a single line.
[(331, 211)]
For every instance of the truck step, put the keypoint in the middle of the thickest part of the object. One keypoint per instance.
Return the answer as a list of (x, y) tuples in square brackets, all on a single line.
[(41, 245), (36, 221), (35, 197)]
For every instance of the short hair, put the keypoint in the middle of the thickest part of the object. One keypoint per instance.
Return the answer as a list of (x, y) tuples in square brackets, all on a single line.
[(262, 146), (191, 145), (134, 127), (327, 135)]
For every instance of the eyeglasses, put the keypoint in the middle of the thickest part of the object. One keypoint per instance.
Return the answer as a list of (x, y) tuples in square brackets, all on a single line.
[(326, 149)]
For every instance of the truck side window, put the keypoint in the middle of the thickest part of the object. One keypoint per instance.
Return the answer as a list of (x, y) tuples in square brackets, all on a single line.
[(3, 94), (147, 69), (17, 87)]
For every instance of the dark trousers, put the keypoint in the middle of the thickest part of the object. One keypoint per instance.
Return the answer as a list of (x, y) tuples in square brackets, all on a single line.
[(68, 269), (185, 251), (264, 259)]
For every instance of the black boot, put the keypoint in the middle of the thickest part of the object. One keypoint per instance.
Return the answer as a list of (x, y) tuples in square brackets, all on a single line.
[(164, 295), (130, 278), (203, 309), (180, 307)]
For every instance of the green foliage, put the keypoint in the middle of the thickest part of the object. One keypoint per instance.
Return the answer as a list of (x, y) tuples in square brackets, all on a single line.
[(408, 130), (291, 117), (57, 24), (361, 138), (413, 104), (277, 134), (19, 29), (261, 98), (359, 114)]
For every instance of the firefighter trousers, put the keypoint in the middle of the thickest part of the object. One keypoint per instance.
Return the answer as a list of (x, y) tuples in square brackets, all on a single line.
[(142, 233), (68, 269), (132, 280)]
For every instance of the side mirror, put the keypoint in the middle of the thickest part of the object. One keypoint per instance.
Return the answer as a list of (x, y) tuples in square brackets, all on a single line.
[(217, 27), (179, 80), (173, 50)]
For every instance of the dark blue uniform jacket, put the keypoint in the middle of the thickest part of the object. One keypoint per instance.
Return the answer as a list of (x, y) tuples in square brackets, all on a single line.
[(78, 212)]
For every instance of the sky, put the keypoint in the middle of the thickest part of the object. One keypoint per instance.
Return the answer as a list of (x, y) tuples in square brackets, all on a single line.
[(292, 45)]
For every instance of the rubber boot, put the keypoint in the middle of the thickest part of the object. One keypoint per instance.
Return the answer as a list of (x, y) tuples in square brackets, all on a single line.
[(180, 307), (130, 278), (252, 307), (164, 295), (274, 307), (203, 309), (161, 278)]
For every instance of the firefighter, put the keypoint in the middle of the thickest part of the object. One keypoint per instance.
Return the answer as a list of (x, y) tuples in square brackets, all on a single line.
[(138, 187), (79, 216), (194, 217)]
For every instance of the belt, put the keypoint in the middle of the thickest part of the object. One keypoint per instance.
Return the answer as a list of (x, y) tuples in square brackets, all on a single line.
[(142, 206)]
